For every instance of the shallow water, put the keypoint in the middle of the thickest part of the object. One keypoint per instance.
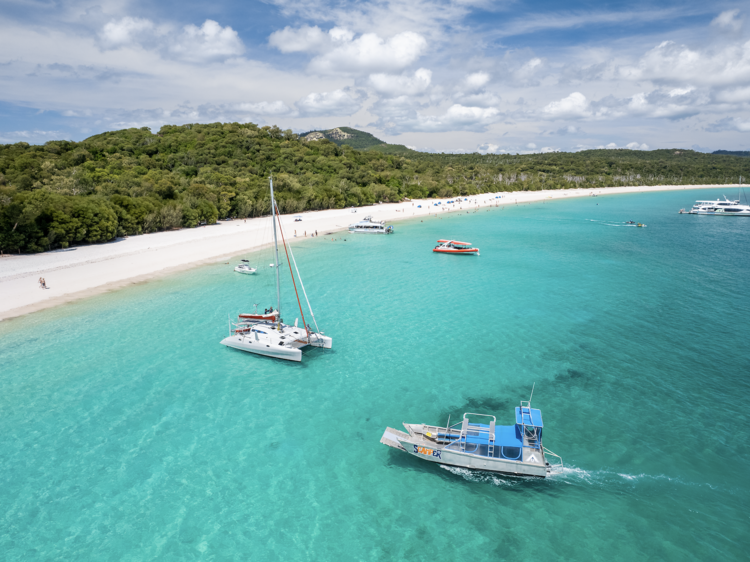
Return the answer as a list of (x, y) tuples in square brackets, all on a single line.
[(127, 432)]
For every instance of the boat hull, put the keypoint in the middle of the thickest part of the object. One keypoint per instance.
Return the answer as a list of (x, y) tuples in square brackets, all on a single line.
[(476, 462), (251, 345), (721, 213), (472, 252)]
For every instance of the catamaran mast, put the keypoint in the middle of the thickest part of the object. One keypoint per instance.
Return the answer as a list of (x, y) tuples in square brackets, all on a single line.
[(276, 264)]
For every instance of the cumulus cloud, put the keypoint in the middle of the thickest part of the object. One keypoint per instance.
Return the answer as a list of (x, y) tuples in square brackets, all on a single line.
[(574, 106), (400, 115), (338, 102), (489, 148), (679, 64), (531, 145), (397, 85), (730, 20), (476, 81), (207, 42), (191, 43), (125, 31), (338, 51), (637, 146), (273, 108)]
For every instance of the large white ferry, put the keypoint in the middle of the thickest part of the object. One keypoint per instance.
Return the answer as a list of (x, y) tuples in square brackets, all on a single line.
[(370, 226), (727, 208)]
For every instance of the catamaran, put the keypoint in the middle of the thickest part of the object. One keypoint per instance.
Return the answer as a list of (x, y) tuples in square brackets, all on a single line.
[(477, 442), (369, 226), (266, 334)]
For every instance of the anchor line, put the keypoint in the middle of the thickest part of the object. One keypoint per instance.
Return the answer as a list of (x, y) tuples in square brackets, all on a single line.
[(289, 263)]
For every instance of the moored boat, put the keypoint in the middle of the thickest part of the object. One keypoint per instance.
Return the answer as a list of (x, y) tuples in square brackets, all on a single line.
[(724, 208), (477, 442), (245, 268), (369, 226), (266, 334), (455, 247)]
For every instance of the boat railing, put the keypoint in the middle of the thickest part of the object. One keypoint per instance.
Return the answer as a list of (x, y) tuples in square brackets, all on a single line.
[(557, 465)]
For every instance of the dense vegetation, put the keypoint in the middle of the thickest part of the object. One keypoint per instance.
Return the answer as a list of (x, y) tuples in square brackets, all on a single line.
[(745, 153), (132, 181)]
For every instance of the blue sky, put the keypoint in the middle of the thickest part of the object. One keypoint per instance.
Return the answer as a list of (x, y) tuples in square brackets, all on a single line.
[(450, 75)]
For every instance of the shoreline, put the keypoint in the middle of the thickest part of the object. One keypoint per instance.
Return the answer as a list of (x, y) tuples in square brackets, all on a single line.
[(85, 271)]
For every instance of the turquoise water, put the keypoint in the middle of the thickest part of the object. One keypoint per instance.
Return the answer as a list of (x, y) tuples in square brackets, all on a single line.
[(128, 433)]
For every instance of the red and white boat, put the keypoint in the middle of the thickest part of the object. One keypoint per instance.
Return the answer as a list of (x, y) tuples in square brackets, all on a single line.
[(455, 247)]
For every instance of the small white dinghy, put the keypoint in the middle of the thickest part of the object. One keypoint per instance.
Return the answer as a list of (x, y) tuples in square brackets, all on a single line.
[(244, 267)]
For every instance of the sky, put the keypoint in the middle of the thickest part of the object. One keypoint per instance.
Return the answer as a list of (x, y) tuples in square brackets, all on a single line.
[(436, 75)]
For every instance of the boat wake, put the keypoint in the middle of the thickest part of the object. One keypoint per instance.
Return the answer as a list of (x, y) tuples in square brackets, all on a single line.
[(611, 223), (488, 477), (570, 476)]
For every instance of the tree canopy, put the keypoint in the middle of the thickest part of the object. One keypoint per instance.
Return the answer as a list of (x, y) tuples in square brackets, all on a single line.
[(132, 181)]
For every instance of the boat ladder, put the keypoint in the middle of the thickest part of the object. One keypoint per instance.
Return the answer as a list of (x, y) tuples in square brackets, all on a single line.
[(491, 440)]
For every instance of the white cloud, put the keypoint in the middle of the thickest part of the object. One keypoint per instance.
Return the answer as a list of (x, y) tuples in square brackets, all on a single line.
[(489, 148), (338, 102), (531, 145), (678, 64), (680, 91), (400, 115), (728, 20), (266, 108), (192, 43), (548, 149), (125, 31), (476, 80), (305, 38), (574, 106), (207, 42), (398, 85), (338, 51), (637, 146), (371, 53)]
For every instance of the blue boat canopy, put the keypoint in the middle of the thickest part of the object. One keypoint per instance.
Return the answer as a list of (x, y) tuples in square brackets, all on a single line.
[(531, 416)]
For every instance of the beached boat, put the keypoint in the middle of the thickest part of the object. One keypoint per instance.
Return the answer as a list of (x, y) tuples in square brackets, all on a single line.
[(724, 208), (477, 442), (369, 226), (245, 268), (266, 334), (455, 247)]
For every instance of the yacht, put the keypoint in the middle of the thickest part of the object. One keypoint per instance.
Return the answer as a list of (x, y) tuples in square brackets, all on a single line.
[(370, 226), (727, 208), (266, 334), (477, 442)]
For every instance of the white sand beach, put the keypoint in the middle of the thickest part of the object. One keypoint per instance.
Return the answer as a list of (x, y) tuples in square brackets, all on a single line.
[(83, 271)]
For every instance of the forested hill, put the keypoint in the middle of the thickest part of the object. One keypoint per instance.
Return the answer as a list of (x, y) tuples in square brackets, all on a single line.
[(132, 181)]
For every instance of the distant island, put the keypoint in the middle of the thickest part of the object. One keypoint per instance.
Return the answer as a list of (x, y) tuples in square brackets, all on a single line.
[(743, 153), (133, 181)]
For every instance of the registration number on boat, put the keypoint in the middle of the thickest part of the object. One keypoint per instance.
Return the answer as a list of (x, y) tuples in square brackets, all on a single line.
[(426, 451)]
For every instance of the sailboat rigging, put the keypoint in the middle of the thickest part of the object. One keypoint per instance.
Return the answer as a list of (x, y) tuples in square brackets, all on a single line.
[(266, 334)]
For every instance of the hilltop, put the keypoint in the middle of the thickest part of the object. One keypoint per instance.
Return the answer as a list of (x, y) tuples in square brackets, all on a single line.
[(359, 140)]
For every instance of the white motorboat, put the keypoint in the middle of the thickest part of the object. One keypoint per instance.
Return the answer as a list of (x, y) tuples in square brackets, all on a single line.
[(266, 334), (725, 208), (370, 226), (245, 268)]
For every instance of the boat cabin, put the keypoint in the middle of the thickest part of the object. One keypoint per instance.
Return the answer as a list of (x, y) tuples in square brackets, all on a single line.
[(496, 441)]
